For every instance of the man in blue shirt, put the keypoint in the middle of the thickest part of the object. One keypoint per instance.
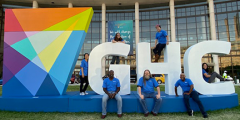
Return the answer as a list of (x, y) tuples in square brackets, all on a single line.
[(189, 91), (145, 87), (162, 39), (111, 87)]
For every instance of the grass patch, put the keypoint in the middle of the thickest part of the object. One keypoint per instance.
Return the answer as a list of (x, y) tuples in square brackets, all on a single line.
[(226, 114)]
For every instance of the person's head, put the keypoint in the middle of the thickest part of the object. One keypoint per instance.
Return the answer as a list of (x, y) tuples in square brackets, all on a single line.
[(117, 37), (182, 76), (86, 56), (111, 74), (146, 76), (158, 27), (205, 67)]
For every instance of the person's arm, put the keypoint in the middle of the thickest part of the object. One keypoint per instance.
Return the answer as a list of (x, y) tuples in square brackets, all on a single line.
[(140, 93), (105, 90), (167, 40), (206, 75), (159, 94), (82, 72), (176, 91), (191, 89), (118, 89), (113, 41)]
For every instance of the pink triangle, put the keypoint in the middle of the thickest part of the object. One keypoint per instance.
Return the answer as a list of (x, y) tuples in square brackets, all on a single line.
[(31, 33), (13, 37)]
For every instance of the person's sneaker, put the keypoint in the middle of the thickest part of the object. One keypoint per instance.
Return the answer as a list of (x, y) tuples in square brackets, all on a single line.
[(103, 116), (154, 114), (119, 115), (205, 116), (146, 114), (82, 93), (85, 93), (190, 113)]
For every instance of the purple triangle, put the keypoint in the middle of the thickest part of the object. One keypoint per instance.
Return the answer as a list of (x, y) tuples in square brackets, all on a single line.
[(13, 37), (13, 60), (7, 74), (6, 45)]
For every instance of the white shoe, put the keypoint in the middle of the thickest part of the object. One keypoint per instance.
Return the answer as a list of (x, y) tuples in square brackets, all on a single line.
[(85, 93), (82, 93)]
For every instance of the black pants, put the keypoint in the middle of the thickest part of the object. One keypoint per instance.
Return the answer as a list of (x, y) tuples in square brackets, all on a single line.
[(213, 76), (82, 80), (159, 48), (194, 95), (115, 58)]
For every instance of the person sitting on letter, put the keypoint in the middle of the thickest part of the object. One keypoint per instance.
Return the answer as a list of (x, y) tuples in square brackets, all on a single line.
[(189, 91), (111, 87), (145, 88)]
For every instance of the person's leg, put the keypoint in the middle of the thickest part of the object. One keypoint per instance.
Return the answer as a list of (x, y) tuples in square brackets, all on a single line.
[(81, 83), (186, 102), (155, 49), (104, 104), (119, 103), (160, 48), (157, 103), (194, 95), (213, 76), (117, 60), (143, 103), (113, 59), (86, 83)]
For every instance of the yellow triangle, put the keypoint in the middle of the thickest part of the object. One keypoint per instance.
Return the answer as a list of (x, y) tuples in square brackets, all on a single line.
[(84, 21), (72, 26), (49, 55)]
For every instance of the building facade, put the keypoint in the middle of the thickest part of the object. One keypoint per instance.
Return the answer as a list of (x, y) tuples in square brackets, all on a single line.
[(192, 25)]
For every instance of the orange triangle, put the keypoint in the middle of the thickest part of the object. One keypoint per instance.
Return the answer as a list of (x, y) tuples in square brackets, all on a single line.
[(42, 18)]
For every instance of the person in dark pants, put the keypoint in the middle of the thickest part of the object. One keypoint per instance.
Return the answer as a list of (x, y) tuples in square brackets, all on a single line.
[(145, 88), (210, 78), (160, 42), (189, 92), (117, 39), (84, 74)]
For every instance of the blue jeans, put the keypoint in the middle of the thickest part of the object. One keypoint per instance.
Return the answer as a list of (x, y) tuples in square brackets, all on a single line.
[(157, 102), (194, 95), (104, 103)]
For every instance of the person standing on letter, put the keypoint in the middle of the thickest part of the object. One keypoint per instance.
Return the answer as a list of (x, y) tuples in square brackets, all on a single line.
[(84, 74), (117, 39), (160, 42)]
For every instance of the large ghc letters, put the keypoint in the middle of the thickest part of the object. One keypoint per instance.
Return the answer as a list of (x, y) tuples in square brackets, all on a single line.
[(171, 66)]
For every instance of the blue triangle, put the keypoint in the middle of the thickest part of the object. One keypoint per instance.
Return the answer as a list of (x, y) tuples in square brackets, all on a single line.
[(47, 88), (14, 88), (60, 86), (38, 62)]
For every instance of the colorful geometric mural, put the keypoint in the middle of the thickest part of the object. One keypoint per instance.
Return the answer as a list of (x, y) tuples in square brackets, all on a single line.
[(41, 47)]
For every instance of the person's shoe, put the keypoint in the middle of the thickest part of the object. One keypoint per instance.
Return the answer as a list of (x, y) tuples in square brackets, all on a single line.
[(103, 116), (205, 116), (190, 113), (85, 93), (146, 114), (119, 115), (156, 58), (154, 114), (82, 93)]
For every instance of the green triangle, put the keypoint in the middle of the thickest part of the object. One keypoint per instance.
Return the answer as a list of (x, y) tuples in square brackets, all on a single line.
[(64, 25), (25, 48), (84, 21)]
